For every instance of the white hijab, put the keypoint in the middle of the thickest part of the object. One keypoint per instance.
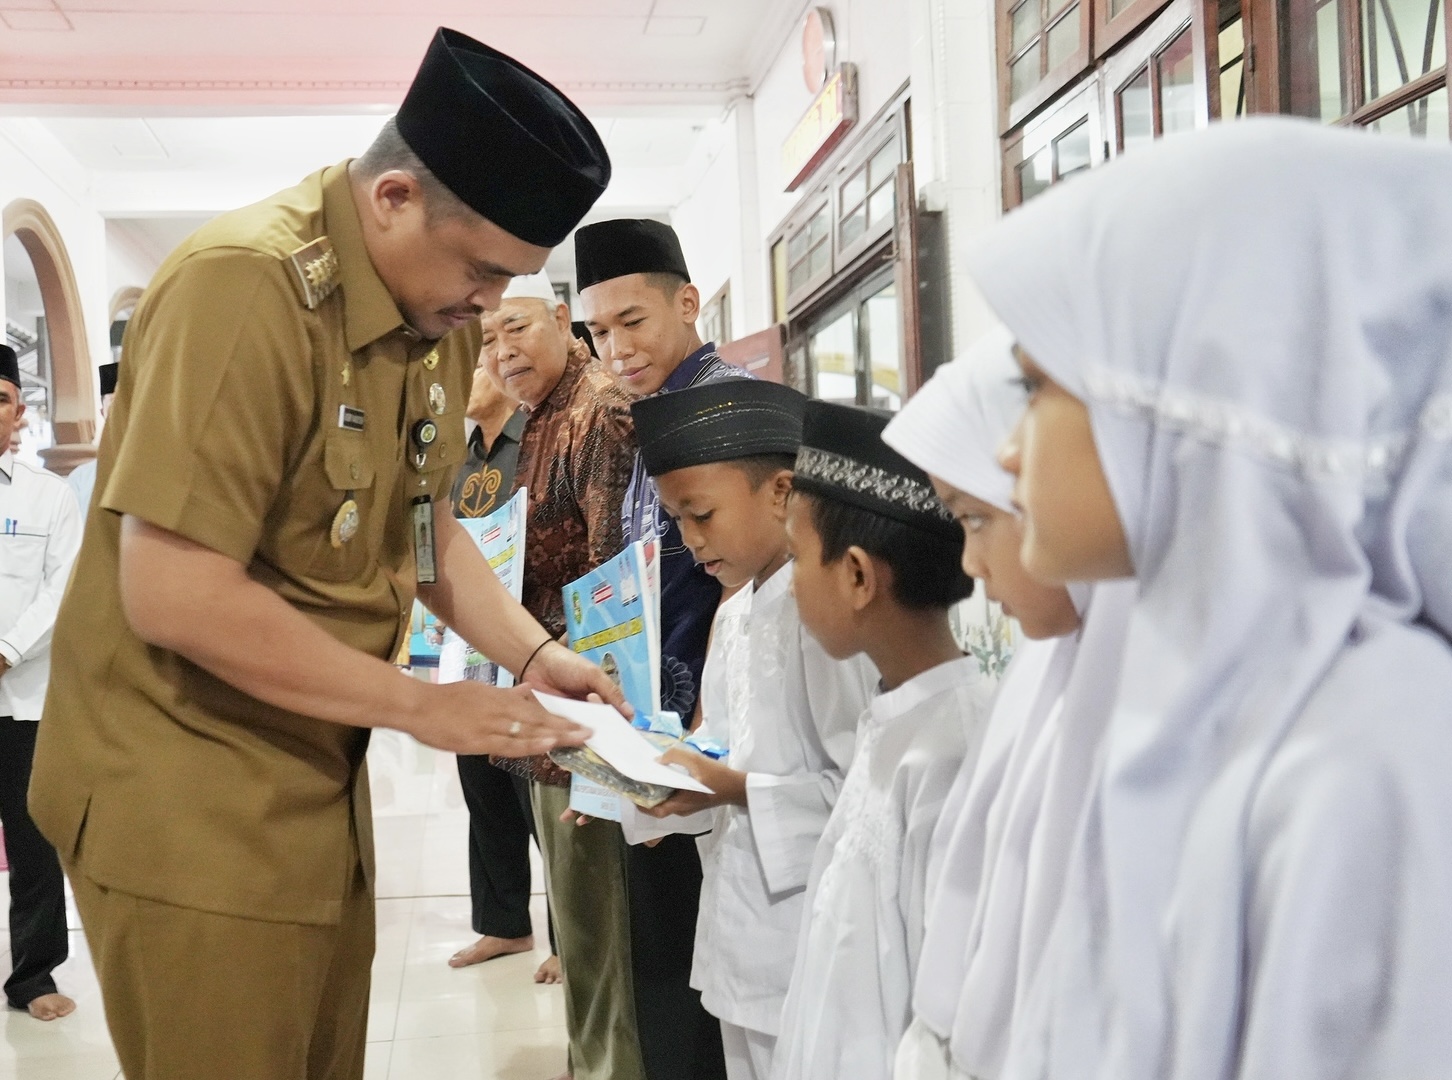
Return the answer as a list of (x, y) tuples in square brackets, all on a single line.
[(1259, 318), (1001, 847)]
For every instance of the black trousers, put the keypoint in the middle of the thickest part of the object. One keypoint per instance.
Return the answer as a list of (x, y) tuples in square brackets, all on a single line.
[(38, 942), (501, 823), (679, 1040)]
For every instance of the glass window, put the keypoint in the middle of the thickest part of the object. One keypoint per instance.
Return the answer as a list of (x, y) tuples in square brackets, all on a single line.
[(833, 350), (884, 164), (1177, 85), (1064, 38), (1136, 114), (1072, 150), (883, 204), (1023, 73), (1232, 70), (1422, 119), (1025, 22), (854, 190), (1404, 39), (1036, 174), (884, 349), (854, 225), (808, 251)]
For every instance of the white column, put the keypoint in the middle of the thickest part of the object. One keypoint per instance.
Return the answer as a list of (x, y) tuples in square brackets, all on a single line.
[(955, 135)]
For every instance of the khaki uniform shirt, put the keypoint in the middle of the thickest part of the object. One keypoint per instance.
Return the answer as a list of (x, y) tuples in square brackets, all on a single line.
[(154, 777)]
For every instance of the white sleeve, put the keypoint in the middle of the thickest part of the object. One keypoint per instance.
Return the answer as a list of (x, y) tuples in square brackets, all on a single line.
[(789, 813), (32, 630)]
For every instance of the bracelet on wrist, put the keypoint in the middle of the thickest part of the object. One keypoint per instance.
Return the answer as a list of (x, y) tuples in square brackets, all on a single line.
[(537, 650)]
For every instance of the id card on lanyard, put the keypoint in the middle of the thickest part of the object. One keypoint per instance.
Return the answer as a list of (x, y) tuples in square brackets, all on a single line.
[(425, 555)]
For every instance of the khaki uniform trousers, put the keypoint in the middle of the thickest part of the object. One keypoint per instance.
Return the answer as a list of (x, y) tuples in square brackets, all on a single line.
[(192, 994), (585, 875)]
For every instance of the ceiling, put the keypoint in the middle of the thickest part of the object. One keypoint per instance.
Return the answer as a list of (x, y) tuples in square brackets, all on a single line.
[(208, 54)]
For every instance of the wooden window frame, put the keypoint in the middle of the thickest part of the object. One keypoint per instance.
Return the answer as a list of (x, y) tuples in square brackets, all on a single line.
[(862, 159), (1013, 113), (1110, 30), (802, 219), (1266, 27), (1118, 71), (1082, 105)]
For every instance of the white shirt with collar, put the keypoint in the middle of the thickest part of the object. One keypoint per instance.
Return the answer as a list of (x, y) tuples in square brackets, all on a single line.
[(40, 533)]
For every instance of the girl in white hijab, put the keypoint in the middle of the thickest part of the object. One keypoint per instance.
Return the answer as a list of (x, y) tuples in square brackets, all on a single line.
[(1239, 349), (1001, 846)]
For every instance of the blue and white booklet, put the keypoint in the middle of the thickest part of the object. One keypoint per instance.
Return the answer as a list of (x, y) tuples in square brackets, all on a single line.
[(500, 537), (612, 616)]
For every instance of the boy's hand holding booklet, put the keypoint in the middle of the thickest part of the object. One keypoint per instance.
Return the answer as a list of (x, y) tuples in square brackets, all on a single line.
[(618, 755)]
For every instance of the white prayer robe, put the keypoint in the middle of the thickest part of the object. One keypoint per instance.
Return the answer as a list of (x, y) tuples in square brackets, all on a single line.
[(851, 992), (789, 713)]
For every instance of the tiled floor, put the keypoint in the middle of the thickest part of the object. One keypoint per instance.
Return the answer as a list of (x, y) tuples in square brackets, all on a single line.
[(427, 1021)]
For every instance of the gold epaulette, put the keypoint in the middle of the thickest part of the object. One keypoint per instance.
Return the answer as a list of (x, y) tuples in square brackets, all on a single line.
[(315, 271)]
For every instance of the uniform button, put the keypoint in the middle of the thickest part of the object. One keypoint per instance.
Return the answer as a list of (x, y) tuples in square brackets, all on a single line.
[(443, 448), (353, 470)]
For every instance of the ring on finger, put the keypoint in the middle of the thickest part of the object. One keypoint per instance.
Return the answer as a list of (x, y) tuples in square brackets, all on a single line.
[(515, 728)]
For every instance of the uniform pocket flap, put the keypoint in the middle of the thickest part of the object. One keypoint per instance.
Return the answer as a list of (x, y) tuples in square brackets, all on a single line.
[(347, 463)]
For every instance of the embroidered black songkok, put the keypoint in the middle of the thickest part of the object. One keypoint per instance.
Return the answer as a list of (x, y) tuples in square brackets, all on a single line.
[(844, 458)]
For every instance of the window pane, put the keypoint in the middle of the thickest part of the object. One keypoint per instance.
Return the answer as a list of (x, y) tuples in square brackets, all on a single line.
[(834, 359), (1071, 150), (884, 163), (1312, 62), (1064, 38), (1177, 85), (1026, 21), (1232, 71), (1036, 174), (797, 245), (820, 226), (1136, 119), (854, 226), (883, 204), (1117, 7), (884, 349), (1424, 119), (821, 259), (1404, 39), (854, 190), (1024, 73)]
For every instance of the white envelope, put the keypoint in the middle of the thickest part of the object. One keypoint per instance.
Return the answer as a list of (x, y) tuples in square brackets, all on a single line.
[(630, 752)]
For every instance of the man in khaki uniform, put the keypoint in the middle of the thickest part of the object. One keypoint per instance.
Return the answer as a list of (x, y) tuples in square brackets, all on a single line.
[(275, 481)]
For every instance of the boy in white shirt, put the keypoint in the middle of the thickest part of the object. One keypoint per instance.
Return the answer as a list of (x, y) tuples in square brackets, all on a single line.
[(722, 454), (876, 569)]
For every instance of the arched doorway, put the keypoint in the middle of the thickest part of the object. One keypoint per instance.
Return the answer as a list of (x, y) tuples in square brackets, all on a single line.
[(70, 397)]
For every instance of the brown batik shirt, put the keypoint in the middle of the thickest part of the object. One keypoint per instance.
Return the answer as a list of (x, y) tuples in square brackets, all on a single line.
[(575, 459)]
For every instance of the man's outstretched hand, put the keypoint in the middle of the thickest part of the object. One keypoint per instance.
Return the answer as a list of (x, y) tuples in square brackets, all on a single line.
[(559, 670)]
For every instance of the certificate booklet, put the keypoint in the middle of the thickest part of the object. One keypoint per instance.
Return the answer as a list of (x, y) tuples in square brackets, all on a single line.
[(500, 537), (425, 638), (612, 616)]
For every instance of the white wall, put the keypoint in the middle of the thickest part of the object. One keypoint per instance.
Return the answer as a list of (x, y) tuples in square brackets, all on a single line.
[(955, 135), (734, 195), (871, 34), (33, 165)]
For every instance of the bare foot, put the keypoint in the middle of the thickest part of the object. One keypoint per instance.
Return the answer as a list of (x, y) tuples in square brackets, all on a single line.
[(51, 1007), (549, 974), (488, 948)]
